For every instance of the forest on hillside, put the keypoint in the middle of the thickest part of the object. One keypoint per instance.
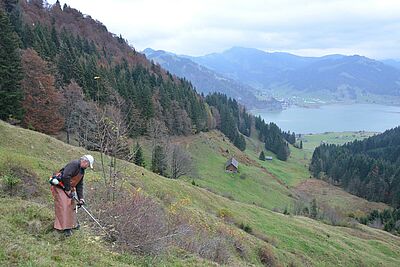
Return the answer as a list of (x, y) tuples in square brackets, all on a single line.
[(369, 168), (61, 70)]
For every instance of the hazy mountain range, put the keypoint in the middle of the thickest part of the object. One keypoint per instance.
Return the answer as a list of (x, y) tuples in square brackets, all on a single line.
[(337, 76), (208, 81)]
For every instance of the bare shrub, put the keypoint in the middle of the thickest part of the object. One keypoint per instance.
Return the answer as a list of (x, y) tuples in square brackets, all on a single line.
[(266, 256), (333, 216), (139, 223), (214, 247), (301, 205), (377, 223), (142, 225), (240, 248)]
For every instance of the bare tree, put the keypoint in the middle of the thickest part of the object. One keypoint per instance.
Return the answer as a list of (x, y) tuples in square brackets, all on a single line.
[(216, 117), (72, 107), (104, 129), (180, 162), (157, 131)]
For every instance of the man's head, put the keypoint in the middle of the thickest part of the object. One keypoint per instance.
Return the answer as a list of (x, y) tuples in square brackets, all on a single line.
[(87, 161)]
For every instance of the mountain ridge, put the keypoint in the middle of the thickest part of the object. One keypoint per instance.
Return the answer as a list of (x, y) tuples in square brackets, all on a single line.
[(273, 72), (207, 81)]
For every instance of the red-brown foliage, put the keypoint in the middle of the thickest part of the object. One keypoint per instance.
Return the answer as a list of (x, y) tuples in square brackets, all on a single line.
[(42, 100)]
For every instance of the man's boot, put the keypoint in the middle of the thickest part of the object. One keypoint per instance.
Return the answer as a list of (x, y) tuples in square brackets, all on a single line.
[(67, 232)]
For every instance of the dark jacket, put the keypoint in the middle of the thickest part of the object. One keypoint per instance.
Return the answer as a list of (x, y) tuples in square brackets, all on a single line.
[(70, 170)]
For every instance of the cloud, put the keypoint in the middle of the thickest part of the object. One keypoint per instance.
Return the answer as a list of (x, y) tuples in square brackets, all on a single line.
[(305, 27)]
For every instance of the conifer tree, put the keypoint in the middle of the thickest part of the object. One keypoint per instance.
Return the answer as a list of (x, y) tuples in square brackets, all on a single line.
[(314, 209), (139, 159), (158, 161), (11, 94), (262, 156)]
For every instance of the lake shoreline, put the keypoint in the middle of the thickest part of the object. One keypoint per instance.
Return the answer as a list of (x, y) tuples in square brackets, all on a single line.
[(343, 117)]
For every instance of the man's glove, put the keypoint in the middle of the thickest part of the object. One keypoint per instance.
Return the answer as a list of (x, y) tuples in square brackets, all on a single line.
[(81, 202), (73, 195)]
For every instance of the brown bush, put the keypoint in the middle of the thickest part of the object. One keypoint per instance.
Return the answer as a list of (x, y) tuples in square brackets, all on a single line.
[(139, 224), (266, 256), (142, 225), (213, 247)]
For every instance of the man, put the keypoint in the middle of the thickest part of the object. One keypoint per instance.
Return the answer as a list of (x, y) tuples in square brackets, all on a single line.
[(71, 189)]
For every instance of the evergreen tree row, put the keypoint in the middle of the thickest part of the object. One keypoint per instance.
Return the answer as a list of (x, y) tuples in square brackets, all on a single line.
[(388, 220), (273, 138), (233, 120), (290, 137), (86, 72), (11, 94), (98, 65), (369, 168)]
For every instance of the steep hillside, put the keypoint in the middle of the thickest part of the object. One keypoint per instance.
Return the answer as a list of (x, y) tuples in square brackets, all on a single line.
[(80, 63), (71, 75), (299, 240), (207, 81)]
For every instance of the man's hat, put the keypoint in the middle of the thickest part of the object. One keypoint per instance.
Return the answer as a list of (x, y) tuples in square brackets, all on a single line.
[(90, 159)]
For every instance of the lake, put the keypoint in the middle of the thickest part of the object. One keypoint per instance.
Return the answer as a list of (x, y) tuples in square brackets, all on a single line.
[(334, 118)]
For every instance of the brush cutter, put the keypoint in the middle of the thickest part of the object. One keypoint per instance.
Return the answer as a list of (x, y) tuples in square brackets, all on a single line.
[(112, 238)]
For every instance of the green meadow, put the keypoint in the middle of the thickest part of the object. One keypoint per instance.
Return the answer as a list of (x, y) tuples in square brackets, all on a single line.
[(27, 238)]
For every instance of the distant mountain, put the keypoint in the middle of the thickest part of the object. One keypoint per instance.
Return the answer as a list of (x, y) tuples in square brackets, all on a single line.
[(252, 66), (339, 75), (351, 73), (392, 62), (207, 81)]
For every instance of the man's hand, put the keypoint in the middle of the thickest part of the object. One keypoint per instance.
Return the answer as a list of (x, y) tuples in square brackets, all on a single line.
[(73, 195), (81, 202)]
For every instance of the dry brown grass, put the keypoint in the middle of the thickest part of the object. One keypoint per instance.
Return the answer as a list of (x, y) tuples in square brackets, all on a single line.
[(330, 196)]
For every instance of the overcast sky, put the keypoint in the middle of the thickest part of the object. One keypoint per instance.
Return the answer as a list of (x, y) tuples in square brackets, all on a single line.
[(303, 27)]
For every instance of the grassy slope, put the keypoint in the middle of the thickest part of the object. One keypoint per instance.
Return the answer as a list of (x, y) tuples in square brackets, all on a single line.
[(252, 184), (270, 184), (311, 141), (292, 239), (27, 236)]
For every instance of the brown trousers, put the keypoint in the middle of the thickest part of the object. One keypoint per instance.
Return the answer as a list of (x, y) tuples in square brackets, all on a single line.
[(64, 210)]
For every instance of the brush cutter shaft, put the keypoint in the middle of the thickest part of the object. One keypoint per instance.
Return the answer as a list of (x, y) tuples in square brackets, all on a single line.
[(91, 216)]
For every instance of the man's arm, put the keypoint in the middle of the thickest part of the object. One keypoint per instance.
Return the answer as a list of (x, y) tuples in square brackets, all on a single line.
[(79, 189), (68, 173)]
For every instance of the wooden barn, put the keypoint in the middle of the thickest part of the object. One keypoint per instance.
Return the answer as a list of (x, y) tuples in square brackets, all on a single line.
[(232, 165)]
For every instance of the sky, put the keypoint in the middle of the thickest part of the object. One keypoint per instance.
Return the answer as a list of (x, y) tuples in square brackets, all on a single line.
[(303, 27)]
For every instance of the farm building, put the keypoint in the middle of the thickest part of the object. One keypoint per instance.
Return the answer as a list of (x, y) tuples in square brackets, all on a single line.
[(232, 165)]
